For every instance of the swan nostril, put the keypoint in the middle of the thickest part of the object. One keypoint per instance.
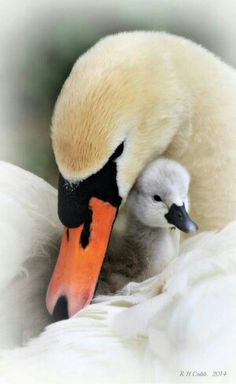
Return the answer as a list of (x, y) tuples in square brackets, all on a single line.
[(60, 311)]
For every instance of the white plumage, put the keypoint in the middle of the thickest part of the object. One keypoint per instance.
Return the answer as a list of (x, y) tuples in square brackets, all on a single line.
[(181, 320), (29, 230)]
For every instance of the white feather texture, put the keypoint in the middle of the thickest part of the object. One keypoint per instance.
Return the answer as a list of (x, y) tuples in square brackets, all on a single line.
[(182, 320), (29, 230)]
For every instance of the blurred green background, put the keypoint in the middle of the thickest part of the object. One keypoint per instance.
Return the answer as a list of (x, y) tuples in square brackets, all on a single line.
[(41, 44)]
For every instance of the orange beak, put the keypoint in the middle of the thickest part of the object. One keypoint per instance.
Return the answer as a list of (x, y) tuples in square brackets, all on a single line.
[(79, 262)]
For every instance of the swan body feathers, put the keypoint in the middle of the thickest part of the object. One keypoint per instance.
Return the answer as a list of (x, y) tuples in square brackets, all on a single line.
[(181, 319)]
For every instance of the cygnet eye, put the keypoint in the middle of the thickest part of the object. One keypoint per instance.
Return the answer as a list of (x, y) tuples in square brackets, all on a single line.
[(157, 198)]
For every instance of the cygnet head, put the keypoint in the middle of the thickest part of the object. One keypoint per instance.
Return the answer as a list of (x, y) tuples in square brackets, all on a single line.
[(159, 197)]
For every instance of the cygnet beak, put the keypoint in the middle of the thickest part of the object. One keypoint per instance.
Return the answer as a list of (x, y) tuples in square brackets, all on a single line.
[(179, 217)]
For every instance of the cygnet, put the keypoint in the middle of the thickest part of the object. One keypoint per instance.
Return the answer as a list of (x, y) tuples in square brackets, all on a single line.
[(157, 210)]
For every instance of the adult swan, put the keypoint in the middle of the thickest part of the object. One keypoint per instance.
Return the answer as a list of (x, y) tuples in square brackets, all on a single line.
[(129, 99)]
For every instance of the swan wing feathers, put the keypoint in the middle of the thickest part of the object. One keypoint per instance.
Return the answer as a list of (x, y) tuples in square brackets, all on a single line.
[(29, 228), (182, 320)]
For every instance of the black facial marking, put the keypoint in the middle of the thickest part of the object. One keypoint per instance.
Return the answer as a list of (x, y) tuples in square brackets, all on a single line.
[(117, 152), (85, 234), (67, 234), (73, 199)]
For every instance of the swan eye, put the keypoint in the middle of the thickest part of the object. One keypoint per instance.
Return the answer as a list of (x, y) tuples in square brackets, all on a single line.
[(157, 198)]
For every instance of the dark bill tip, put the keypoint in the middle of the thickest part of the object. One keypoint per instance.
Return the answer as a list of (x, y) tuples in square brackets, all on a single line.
[(61, 309)]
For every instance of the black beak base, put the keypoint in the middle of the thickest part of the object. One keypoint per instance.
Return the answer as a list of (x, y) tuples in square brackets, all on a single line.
[(73, 199), (179, 217)]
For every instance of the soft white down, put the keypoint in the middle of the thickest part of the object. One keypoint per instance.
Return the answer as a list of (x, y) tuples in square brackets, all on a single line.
[(182, 319), (147, 242)]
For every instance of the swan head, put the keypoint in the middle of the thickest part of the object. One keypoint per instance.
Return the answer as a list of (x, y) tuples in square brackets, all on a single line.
[(159, 197), (104, 132)]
